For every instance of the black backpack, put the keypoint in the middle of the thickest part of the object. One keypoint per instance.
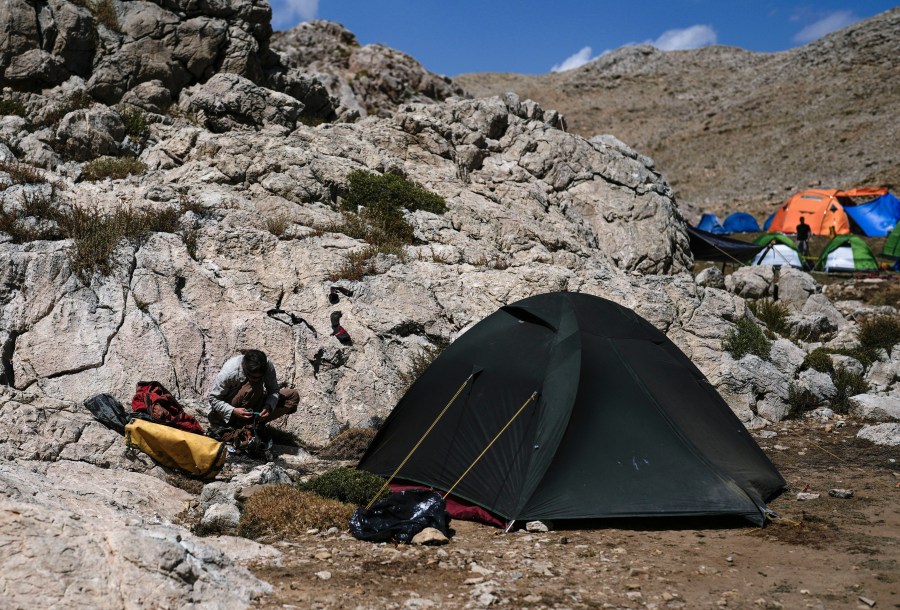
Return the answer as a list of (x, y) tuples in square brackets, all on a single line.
[(108, 411)]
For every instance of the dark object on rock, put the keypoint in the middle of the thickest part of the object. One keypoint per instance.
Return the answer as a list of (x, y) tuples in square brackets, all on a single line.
[(399, 517), (338, 331), (840, 493), (108, 411)]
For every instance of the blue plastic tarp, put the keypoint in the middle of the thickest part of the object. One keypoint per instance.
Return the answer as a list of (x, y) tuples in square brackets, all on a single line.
[(876, 218), (710, 223), (741, 222)]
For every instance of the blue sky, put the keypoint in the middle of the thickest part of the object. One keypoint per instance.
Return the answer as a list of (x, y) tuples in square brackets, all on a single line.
[(532, 36)]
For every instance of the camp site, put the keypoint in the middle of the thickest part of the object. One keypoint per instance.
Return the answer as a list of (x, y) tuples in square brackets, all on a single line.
[(449, 305)]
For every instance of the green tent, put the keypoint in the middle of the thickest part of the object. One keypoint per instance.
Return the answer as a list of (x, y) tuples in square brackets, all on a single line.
[(892, 244), (569, 406), (847, 253), (778, 249)]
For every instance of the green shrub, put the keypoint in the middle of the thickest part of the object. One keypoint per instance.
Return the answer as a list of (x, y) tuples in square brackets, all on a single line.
[(879, 332), (8, 107), (818, 360), (800, 400), (346, 485), (115, 168), (772, 313), (135, 123), (746, 338), (388, 191), (282, 511), (848, 384)]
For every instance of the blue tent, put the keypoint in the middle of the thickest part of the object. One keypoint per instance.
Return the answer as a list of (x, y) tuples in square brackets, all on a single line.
[(710, 223), (741, 222), (876, 218), (768, 222)]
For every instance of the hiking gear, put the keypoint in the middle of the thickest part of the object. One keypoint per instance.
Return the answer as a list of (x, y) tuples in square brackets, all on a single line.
[(251, 440), (624, 425), (153, 399), (342, 335), (194, 454), (708, 247), (741, 222), (400, 516), (108, 411), (335, 319), (333, 296), (779, 250), (847, 253)]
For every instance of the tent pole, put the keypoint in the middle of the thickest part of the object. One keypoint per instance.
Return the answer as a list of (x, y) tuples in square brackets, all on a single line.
[(411, 451), (489, 445)]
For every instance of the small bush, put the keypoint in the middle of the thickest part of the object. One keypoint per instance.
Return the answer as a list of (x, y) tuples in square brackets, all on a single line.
[(864, 356), (419, 363), (346, 485), (746, 338), (283, 511), (12, 107), (818, 360), (112, 167), (348, 445), (105, 12), (22, 173), (75, 101), (772, 313), (800, 400), (879, 332), (357, 266), (848, 384), (38, 206), (135, 123), (277, 225)]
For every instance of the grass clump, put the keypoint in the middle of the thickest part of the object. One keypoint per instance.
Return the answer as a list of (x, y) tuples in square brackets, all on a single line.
[(277, 225), (819, 360), (746, 338), (115, 168), (847, 384), (357, 266), (800, 400), (348, 445), (12, 107), (879, 332), (135, 123), (773, 314), (36, 218), (284, 510), (22, 173), (105, 12), (349, 485)]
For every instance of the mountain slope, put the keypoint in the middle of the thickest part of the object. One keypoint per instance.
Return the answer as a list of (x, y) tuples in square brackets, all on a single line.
[(733, 129)]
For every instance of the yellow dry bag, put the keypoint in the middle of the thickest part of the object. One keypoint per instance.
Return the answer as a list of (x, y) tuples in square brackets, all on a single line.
[(195, 454)]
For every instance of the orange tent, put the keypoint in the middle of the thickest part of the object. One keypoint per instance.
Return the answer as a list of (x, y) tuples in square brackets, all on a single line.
[(820, 209)]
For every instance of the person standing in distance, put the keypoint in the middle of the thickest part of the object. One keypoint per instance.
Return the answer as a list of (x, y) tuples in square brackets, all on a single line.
[(803, 232)]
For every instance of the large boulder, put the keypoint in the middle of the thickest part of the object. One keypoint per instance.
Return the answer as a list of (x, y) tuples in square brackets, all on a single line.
[(229, 101)]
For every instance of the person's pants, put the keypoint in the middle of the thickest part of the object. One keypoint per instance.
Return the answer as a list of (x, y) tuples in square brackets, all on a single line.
[(253, 397), (803, 247)]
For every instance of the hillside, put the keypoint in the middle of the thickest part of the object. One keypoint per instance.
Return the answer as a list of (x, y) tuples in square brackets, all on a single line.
[(735, 130)]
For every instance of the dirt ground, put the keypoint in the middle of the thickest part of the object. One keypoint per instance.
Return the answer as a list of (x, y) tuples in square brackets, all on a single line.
[(823, 553)]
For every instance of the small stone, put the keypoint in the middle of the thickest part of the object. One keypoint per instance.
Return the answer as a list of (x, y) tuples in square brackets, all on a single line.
[(804, 591), (430, 536), (537, 526), (634, 595), (322, 555), (473, 581), (805, 495), (767, 434), (474, 567), (324, 575), (531, 598), (780, 448), (840, 493), (729, 559), (869, 602)]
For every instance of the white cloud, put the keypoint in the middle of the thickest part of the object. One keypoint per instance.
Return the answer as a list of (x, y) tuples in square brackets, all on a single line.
[(693, 37), (826, 25), (574, 61), (287, 13)]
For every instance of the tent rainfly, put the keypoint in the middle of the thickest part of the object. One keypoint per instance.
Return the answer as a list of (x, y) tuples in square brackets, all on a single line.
[(569, 406), (779, 249), (710, 223), (847, 253), (877, 217), (741, 222), (892, 244), (708, 247)]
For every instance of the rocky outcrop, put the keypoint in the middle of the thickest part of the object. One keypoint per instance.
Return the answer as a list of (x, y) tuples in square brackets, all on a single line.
[(368, 80)]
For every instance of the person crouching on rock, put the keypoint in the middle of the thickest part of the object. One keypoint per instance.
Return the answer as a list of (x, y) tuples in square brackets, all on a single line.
[(246, 391)]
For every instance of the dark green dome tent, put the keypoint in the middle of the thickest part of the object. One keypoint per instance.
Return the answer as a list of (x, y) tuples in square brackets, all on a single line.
[(614, 421)]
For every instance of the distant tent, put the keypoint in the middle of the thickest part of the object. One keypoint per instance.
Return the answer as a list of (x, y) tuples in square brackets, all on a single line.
[(710, 223), (847, 253), (820, 209), (768, 222), (568, 406), (892, 244), (778, 250), (741, 222), (877, 217), (708, 247)]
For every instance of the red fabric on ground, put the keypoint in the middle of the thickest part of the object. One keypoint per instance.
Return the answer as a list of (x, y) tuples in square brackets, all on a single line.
[(457, 508)]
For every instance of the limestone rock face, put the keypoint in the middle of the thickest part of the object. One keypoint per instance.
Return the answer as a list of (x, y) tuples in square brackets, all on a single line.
[(368, 80), (229, 101)]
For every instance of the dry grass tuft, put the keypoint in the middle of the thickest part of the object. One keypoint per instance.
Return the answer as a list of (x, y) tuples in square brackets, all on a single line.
[(348, 445), (283, 511), (112, 167), (358, 265)]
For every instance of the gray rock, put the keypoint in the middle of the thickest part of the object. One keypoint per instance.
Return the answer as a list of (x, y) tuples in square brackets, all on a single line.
[(221, 518), (229, 101), (430, 537), (876, 408), (711, 277), (820, 384), (795, 287), (90, 133), (151, 96), (841, 493), (848, 363), (752, 282), (881, 434)]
